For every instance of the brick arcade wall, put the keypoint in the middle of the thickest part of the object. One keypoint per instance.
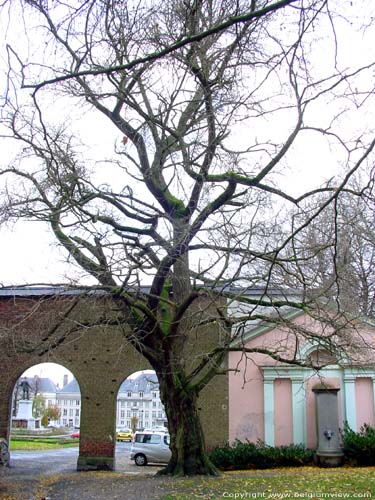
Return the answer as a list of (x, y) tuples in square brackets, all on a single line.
[(99, 359)]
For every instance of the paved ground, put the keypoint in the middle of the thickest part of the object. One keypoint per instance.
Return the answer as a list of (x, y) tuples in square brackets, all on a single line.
[(52, 474), (65, 460)]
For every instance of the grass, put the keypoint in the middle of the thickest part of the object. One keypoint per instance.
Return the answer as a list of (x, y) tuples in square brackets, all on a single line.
[(22, 443), (301, 483), (304, 483)]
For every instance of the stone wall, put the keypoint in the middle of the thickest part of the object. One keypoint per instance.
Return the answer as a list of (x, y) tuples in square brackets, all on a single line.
[(55, 329)]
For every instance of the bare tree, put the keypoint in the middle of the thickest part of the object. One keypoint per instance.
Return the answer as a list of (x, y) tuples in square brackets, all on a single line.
[(339, 250), (208, 100)]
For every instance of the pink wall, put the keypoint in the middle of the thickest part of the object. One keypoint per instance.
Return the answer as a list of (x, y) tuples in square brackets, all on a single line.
[(283, 420), (364, 396), (246, 396), (245, 401)]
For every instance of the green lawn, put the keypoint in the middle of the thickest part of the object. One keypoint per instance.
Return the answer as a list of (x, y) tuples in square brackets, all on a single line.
[(21, 443), (300, 483)]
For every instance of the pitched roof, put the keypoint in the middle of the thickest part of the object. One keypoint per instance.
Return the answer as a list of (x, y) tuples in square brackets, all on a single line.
[(71, 388), (41, 384), (144, 382)]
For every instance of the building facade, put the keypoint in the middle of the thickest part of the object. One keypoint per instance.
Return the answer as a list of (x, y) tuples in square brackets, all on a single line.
[(275, 402)]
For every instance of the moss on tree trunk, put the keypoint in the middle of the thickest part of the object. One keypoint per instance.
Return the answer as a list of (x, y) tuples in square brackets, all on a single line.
[(189, 456)]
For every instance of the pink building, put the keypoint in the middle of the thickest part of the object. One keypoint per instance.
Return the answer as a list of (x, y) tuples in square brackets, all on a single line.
[(274, 402)]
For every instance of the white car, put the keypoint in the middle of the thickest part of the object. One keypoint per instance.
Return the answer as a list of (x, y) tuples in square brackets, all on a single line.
[(150, 447)]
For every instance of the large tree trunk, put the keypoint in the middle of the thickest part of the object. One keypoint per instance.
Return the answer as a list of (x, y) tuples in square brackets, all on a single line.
[(189, 455)]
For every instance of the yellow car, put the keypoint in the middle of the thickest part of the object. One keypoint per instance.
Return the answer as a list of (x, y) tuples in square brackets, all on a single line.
[(124, 435)]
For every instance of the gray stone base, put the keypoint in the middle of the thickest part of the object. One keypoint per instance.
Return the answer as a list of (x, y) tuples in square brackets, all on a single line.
[(329, 459), (95, 463)]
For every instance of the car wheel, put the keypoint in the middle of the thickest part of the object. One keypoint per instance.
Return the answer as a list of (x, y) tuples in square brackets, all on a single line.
[(140, 459)]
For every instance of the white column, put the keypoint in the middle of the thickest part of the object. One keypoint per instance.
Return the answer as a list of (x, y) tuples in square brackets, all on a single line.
[(269, 412), (299, 411), (350, 402)]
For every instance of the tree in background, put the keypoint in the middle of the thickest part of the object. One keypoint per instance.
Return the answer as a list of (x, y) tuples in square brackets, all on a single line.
[(51, 413), (211, 105), (39, 406), (339, 251)]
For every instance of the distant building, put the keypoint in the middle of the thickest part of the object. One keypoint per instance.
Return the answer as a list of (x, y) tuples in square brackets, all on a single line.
[(68, 399)]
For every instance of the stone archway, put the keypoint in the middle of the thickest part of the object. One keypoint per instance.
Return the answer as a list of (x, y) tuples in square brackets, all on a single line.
[(40, 325)]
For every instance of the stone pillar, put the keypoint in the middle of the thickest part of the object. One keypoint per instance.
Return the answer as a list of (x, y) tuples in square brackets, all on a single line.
[(269, 413), (299, 411), (350, 401), (97, 430), (329, 452)]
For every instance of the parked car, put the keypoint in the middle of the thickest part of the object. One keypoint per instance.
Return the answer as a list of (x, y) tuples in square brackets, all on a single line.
[(124, 435), (75, 434), (150, 447)]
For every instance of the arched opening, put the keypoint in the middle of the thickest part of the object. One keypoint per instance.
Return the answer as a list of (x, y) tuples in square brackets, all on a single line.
[(138, 408), (138, 403), (43, 419), (36, 401), (321, 357)]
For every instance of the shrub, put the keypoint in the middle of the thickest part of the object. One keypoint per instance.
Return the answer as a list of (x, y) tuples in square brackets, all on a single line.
[(359, 447), (259, 456)]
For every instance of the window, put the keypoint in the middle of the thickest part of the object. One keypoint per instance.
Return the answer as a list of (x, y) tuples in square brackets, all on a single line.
[(154, 414), (154, 404), (78, 402), (122, 413), (65, 412), (122, 403), (77, 412), (65, 402), (160, 414), (148, 438), (129, 394), (154, 395), (141, 394), (128, 414), (70, 412)]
